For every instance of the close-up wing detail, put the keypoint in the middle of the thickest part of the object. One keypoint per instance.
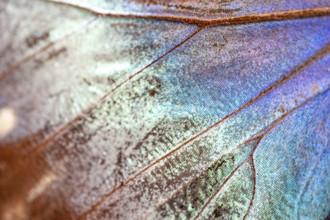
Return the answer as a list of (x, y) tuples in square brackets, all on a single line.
[(160, 109)]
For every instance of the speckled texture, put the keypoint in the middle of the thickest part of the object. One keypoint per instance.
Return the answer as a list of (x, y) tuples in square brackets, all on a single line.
[(81, 68), (23, 32), (193, 158), (130, 118)]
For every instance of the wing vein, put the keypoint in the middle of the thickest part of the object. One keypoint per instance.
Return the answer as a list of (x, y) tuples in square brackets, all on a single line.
[(254, 18)]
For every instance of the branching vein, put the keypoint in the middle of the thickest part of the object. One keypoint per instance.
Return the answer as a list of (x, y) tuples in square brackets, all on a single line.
[(250, 159)]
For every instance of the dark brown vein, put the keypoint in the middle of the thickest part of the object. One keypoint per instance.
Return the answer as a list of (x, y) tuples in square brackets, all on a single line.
[(250, 158), (50, 44), (275, 16), (61, 129), (285, 78)]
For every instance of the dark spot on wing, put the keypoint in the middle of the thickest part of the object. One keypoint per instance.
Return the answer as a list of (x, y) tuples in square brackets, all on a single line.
[(36, 37)]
